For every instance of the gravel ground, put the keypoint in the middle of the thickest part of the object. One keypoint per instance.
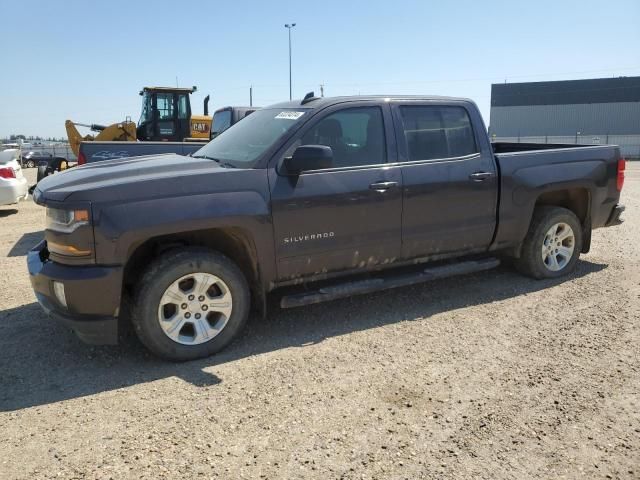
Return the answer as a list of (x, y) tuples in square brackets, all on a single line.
[(490, 375)]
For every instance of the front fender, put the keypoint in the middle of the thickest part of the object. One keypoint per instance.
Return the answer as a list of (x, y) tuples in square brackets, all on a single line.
[(122, 228)]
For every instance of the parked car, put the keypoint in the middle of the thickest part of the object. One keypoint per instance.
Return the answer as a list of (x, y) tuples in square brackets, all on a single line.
[(33, 159), (340, 196), (13, 185)]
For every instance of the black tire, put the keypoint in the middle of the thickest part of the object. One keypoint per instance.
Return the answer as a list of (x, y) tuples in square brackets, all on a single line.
[(160, 275), (42, 172), (531, 262), (30, 164)]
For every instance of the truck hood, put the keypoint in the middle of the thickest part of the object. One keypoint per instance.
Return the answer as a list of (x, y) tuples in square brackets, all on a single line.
[(131, 178)]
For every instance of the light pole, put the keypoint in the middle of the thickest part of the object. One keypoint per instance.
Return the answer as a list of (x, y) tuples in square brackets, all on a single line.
[(289, 27)]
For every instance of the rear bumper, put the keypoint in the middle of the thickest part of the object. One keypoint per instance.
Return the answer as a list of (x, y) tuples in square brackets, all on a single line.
[(614, 217), (13, 190), (92, 296)]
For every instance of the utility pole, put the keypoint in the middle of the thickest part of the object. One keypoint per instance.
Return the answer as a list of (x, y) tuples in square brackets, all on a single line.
[(251, 96), (322, 89), (289, 27)]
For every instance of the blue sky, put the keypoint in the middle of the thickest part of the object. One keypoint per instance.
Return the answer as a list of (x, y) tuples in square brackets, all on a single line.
[(87, 60)]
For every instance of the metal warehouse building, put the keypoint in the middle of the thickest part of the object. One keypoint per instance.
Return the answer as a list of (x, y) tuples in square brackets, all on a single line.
[(595, 111)]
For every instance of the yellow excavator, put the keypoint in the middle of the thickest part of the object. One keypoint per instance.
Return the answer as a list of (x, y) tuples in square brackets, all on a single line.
[(166, 116)]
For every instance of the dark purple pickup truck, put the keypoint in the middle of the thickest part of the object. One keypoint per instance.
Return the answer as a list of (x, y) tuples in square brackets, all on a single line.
[(340, 196)]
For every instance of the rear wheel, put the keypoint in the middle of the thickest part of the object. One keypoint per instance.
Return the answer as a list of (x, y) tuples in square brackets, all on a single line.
[(191, 304), (30, 164), (553, 243)]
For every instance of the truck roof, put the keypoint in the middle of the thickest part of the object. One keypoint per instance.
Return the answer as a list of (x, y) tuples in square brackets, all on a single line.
[(221, 109), (320, 102)]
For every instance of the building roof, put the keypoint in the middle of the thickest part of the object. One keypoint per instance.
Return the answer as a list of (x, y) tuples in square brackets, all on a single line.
[(567, 92)]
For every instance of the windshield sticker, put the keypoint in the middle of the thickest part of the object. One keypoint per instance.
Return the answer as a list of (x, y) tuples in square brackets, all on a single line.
[(289, 115)]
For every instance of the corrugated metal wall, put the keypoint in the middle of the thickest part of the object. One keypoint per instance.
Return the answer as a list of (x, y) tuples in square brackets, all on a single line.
[(588, 119)]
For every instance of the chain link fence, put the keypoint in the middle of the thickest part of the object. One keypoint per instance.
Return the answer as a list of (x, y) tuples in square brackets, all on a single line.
[(60, 150), (56, 150)]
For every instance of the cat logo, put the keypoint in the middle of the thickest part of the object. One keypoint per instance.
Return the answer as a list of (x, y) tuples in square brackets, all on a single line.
[(200, 127)]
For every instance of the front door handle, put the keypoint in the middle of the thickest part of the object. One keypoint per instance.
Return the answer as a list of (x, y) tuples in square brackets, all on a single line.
[(383, 186), (480, 176)]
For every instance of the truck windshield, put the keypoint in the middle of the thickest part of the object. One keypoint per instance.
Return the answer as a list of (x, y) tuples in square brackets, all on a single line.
[(243, 143)]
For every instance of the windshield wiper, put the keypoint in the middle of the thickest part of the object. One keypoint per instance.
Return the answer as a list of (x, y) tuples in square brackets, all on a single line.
[(204, 156), (217, 160)]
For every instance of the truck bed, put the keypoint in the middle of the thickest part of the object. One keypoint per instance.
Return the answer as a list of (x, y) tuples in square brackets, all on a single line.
[(98, 151), (508, 147), (525, 173)]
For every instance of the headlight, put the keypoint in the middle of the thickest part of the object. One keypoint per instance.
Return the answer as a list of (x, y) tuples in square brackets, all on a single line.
[(65, 221), (69, 233)]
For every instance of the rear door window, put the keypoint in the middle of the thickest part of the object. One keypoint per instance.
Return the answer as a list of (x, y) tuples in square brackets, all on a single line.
[(437, 132)]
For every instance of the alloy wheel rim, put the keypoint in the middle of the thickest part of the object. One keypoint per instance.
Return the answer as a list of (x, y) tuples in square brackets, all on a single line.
[(195, 308), (558, 246)]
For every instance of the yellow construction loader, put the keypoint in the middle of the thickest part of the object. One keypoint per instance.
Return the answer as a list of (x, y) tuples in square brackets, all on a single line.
[(166, 116)]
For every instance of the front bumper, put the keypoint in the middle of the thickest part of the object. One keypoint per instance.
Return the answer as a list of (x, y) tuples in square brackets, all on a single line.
[(614, 217), (92, 295)]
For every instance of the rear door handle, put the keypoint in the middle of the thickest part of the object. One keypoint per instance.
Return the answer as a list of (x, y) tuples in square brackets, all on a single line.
[(480, 176), (383, 186)]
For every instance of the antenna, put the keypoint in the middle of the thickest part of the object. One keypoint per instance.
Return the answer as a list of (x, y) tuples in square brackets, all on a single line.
[(309, 97)]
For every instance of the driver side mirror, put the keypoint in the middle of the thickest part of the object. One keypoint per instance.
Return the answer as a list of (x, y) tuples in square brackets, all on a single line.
[(308, 157)]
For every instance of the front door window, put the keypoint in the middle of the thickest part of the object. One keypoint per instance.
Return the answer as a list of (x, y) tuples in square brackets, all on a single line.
[(356, 136)]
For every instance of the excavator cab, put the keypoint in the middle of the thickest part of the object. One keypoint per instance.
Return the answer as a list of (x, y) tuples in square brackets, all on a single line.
[(166, 114)]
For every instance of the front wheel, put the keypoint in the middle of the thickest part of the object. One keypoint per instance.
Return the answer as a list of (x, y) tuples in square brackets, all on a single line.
[(192, 303), (552, 245)]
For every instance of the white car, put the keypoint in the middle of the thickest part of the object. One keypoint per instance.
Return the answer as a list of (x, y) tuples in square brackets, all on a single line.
[(13, 185)]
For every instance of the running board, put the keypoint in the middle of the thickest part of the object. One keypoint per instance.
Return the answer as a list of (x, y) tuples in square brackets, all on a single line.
[(359, 287)]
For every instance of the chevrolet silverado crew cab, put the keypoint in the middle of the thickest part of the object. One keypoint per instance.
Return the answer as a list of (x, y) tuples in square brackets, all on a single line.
[(318, 199)]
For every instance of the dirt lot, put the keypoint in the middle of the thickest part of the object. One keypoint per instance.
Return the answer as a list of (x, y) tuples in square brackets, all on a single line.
[(486, 376)]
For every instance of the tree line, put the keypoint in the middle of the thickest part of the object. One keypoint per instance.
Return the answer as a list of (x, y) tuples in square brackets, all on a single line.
[(14, 138)]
